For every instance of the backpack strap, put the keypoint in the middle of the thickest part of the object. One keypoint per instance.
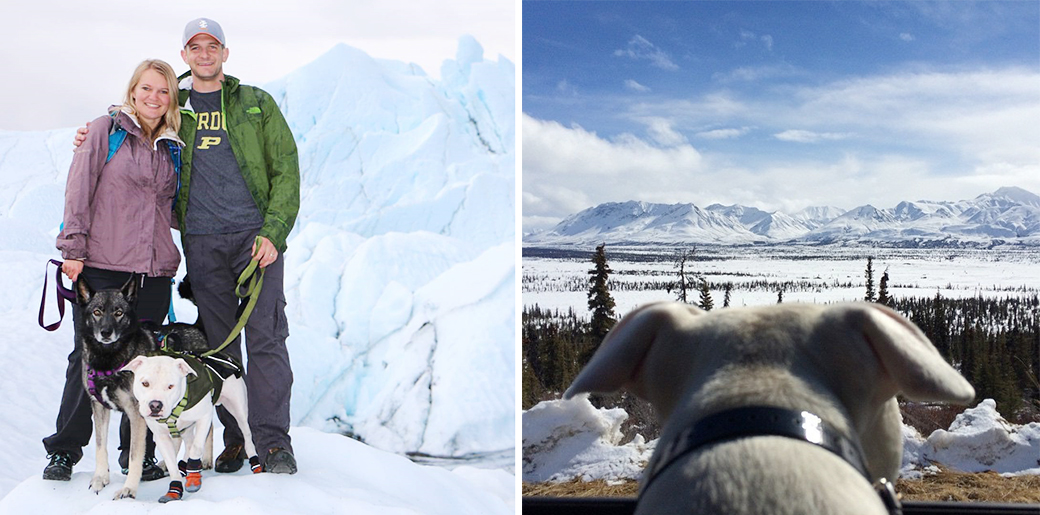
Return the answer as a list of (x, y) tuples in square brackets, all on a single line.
[(116, 137), (175, 157)]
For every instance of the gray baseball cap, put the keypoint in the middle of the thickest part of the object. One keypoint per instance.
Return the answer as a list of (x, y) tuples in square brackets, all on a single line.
[(203, 26)]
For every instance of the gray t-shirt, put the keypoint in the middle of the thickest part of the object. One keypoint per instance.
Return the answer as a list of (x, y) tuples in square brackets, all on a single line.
[(219, 201)]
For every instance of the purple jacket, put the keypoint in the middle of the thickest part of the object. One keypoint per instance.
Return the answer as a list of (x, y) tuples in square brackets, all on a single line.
[(118, 214)]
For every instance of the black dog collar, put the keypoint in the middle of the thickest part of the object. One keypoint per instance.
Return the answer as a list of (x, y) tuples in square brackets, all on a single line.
[(766, 421)]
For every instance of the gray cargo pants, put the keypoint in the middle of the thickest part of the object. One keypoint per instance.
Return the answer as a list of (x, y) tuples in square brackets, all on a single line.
[(214, 262)]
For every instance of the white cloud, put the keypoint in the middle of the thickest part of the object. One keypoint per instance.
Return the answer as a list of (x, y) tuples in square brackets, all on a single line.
[(567, 169), (724, 133), (635, 86), (566, 88), (747, 35), (663, 132), (938, 135), (755, 73), (800, 136), (640, 48), (768, 40), (906, 36)]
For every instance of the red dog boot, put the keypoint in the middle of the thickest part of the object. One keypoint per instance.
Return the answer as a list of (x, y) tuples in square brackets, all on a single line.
[(193, 479), (254, 464), (174, 494)]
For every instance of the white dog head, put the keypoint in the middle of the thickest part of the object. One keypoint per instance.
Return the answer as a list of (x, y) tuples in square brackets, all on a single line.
[(845, 361), (159, 383)]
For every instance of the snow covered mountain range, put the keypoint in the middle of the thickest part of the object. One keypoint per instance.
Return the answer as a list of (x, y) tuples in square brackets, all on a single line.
[(400, 271), (1008, 215)]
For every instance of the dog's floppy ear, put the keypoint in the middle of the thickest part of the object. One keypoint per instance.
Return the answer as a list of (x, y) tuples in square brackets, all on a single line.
[(910, 361), (184, 368), (134, 364), (83, 291), (620, 357), (129, 289)]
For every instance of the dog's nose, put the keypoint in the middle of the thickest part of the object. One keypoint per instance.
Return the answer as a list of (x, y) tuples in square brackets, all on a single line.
[(155, 406)]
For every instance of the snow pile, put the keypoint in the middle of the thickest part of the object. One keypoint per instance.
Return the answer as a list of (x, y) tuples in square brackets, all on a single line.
[(981, 440), (564, 440), (400, 279), (568, 439)]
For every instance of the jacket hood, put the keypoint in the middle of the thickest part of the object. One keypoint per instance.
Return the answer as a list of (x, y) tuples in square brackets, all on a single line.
[(126, 113)]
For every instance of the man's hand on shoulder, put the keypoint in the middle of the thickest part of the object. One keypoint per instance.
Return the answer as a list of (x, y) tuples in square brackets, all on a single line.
[(81, 135)]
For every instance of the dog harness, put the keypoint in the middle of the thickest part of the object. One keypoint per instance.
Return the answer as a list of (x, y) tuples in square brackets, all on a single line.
[(768, 421), (92, 388), (210, 373)]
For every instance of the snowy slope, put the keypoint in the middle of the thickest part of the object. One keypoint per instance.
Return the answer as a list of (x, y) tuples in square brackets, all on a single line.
[(564, 440), (400, 276), (1008, 214)]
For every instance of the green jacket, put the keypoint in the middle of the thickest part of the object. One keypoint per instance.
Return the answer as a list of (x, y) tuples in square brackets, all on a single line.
[(264, 148)]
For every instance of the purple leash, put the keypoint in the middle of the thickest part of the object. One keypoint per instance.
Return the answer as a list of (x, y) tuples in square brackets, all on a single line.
[(63, 295)]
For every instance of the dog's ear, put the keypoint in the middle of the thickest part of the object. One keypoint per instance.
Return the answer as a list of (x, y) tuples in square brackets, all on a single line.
[(909, 360), (83, 291), (184, 368), (129, 289), (619, 359), (134, 364)]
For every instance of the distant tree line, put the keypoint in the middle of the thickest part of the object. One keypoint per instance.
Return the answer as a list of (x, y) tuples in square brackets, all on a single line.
[(994, 343)]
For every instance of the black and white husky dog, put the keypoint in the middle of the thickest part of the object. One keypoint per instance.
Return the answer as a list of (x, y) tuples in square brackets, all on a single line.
[(111, 336)]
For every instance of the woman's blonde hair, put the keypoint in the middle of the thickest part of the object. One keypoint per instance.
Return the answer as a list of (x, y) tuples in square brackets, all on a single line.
[(172, 118)]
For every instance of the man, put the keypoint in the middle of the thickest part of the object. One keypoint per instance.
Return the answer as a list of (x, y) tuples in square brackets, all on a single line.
[(240, 193), (238, 200)]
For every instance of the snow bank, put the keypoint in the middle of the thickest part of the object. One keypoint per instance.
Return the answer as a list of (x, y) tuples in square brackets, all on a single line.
[(564, 440), (981, 440), (568, 439)]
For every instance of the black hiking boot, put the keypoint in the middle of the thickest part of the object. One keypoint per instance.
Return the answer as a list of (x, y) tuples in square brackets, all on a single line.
[(60, 467), (150, 470), (280, 461), (231, 459)]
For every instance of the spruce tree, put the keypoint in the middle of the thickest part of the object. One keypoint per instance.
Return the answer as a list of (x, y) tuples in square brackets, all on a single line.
[(725, 299), (780, 296), (883, 297), (870, 296), (706, 303), (601, 304)]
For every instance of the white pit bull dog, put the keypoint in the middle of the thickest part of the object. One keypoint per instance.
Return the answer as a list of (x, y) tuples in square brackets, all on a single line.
[(176, 397), (784, 409)]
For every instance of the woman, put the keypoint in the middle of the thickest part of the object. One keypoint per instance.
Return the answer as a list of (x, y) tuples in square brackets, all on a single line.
[(117, 221)]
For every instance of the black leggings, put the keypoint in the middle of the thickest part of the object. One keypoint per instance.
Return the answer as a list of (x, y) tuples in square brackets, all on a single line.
[(74, 425)]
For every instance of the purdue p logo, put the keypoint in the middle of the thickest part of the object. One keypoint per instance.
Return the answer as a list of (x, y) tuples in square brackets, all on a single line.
[(208, 141)]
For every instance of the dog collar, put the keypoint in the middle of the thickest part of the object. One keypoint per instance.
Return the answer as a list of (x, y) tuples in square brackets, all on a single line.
[(768, 421), (92, 389)]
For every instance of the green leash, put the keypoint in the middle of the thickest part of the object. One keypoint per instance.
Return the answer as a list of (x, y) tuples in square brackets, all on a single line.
[(252, 278)]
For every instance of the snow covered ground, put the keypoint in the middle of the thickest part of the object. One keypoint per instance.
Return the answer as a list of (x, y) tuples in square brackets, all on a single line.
[(816, 274), (400, 283), (563, 440)]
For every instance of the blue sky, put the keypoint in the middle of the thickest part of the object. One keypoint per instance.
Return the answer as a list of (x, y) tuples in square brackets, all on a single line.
[(780, 105)]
